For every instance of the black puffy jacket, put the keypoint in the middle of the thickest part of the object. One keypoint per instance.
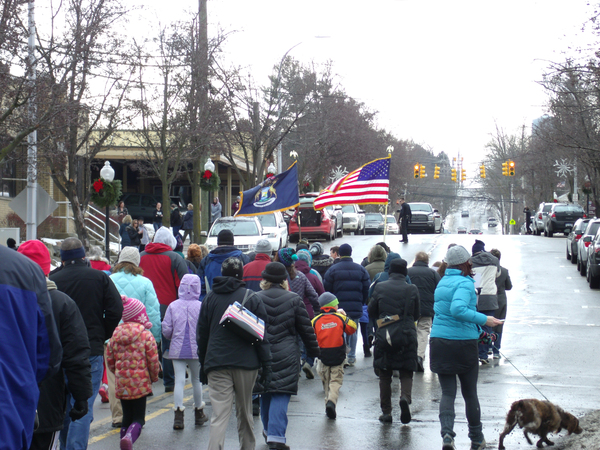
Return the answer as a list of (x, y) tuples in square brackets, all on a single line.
[(349, 282), (391, 297), (218, 347), (426, 279), (75, 363), (286, 320)]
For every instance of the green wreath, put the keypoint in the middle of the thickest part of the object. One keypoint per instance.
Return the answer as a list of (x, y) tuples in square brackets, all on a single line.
[(210, 181), (105, 193)]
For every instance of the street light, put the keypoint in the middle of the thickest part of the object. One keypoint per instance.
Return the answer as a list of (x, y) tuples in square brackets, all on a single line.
[(107, 173), (271, 169), (209, 165)]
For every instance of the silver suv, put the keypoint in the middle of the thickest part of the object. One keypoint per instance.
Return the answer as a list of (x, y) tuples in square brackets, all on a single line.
[(537, 220), (354, 218)]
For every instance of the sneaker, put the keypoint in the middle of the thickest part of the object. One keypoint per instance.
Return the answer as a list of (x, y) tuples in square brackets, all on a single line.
[(103, 393), (448, 443), (278, 446), (478, 445), (484, 362), (330, 409), (367, 351), (405, 411), (346, 363), (489, 351), (497, 356), (308, 371), (351, 362), (385, 418), (169, 388)]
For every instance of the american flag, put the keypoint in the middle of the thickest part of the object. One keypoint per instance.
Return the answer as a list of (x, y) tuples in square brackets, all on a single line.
[(370, 184)]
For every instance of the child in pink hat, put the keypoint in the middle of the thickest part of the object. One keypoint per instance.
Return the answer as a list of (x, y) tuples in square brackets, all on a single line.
[(133, 357)]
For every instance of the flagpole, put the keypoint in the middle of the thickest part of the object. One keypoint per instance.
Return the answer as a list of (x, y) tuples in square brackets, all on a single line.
[(299, 226), (389, 151), (385, 222)]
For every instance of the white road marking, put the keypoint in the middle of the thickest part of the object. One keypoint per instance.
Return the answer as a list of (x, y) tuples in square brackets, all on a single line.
[(576, 291)]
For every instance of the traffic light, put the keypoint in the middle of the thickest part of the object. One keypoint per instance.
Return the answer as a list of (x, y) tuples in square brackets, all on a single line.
[(453, 176), (423, 174), (511, 168), (463, 175), (505, 168), (482, 171), (436, 172), (417, 167)]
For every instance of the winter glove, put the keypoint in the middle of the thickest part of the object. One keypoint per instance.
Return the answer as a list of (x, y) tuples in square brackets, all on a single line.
[(79, 409), (203, 377), (267, 376), (487, 338)]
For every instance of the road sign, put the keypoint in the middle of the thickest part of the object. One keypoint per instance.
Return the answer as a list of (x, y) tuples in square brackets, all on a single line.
[(45, 205), (512, 222)]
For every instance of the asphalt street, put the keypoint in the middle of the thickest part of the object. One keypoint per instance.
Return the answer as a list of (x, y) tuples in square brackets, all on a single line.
[(552, 324)]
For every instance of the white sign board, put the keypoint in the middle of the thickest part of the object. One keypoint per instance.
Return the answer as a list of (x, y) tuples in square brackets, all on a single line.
[(6, 233), (45, 205)]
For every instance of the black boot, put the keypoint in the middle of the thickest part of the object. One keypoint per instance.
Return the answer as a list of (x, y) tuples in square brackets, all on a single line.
[(178, 421), (367, 351)]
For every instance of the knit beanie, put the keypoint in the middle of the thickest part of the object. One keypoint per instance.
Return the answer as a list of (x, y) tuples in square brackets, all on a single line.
[(304, 255), (287, 256), (478, 247), (129, 254), (328, 299), (275, 272), (225, 237), (135, 311), (399, 265), (316, 249), (36, 251), (233, 267), (165, 236), (263, 246), (456, 255), (345, 250)]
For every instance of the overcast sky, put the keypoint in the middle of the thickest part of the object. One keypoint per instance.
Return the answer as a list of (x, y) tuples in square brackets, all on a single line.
[(442, 73)]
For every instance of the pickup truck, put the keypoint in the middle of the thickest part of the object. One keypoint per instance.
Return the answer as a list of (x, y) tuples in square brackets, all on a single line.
[(354, 218)]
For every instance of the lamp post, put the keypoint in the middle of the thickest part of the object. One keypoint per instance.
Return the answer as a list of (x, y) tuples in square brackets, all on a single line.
[(389, 151), (107, 173)]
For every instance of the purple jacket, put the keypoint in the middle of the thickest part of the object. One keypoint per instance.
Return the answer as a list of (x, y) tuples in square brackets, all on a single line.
[(301, 286), (181, 319)]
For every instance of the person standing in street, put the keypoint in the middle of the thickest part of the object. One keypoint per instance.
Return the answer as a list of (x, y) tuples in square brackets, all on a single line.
[(349, 282), (31, 351), (503, 283), (404, 219), (181, 320), (101, 307), (287, 320), (135, 234), (253, 270), (228, 363), (215, 210), (426, 280), (453, 351), (125, 239), (165, 269), (157, 217), (395, 297), (188, 222), (527, 213), (145, 239), (176, 220)]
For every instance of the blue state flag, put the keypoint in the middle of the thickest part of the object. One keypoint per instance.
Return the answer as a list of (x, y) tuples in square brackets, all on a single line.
[(276, 193)]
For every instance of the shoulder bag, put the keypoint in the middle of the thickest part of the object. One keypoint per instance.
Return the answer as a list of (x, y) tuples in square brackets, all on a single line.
[(243, 322)]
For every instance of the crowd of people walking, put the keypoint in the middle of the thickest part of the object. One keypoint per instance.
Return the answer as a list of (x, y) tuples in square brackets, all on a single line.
[(158, 314)]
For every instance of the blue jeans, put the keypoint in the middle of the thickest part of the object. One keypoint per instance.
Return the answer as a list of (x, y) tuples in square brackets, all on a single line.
[(176, 231), (303, 355), (351, 341), (167, 364), (156, 226), (484, 348), (75, 435), (273, 413)]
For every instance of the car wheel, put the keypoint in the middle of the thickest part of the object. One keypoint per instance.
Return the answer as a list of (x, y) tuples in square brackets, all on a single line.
[(280, 244), (593, 281), (550, 232), (334, 231), (573, 258), (578, 265), (582, 268)]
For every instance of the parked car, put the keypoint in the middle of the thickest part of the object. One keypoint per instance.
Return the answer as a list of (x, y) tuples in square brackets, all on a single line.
[(464, 213), (584, 242), (561, 217), (141, 205), (593, 262), (247, 231), (492, 222), (354, 219), (573, 237), (537, 220), (374, 223), (313, 224), (274, 224), (462, 230), (336, 211), (424, 218), (475, 231), (392, 225)]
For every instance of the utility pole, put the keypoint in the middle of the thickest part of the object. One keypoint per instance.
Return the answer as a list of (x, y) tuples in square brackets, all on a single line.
[(31, 225), (511, 226)]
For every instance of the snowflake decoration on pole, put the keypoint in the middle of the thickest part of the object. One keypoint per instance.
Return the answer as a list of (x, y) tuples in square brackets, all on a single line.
[(563, 168), (338, 173)]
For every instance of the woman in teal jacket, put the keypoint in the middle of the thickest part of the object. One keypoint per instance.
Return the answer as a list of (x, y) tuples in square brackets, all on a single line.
[(453, 345)]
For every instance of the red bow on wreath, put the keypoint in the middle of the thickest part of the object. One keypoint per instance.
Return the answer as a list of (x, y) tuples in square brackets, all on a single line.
[(207, 174), (270, 175), (307, 184), (98, 185)]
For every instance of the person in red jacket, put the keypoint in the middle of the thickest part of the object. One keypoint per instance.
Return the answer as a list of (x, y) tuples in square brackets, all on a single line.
[(165, 269), (253, 270), (330, 327)]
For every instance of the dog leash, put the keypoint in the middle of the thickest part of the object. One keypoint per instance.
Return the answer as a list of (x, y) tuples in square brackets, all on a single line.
[(521, 373)]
